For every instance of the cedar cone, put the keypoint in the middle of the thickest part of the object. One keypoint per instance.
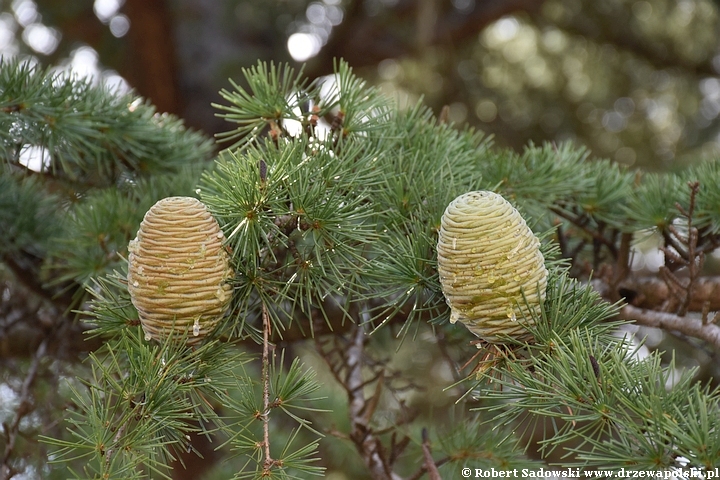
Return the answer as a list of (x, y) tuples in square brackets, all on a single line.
[(491, 269), (178, 271)]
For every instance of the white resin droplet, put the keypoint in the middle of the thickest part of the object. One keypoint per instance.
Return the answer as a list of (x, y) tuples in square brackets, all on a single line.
[(196, 327), (136, 283), (147, 337), (220, 294)]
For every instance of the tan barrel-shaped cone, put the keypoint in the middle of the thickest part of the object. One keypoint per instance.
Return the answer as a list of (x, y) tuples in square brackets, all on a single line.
[(179, 270), (491, 269)]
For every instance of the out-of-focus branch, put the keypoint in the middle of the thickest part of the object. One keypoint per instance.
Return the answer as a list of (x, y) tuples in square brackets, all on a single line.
[(694, 327), (456, 27), (25, 407), (26, 268), (346, 357), (368, 444), (580, 221), (26, 320), (646, 295), (26, 274), (364, 39), (649, 292)]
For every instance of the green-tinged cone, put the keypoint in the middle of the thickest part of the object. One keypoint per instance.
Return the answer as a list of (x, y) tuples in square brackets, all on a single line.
[(178, 270), (490, 265)]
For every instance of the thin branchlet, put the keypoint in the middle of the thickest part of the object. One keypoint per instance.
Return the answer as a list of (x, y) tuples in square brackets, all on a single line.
[(268, 462)]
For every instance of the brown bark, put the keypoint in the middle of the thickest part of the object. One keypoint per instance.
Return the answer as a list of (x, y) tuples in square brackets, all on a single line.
[(151, 64)]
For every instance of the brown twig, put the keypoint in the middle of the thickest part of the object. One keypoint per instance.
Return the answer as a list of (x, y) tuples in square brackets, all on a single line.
[(432, 470), (581, 222), (268, 462), (421, 471), (682, 251)]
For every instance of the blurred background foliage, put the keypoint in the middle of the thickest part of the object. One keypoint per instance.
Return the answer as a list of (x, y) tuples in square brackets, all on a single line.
[(636, 81)]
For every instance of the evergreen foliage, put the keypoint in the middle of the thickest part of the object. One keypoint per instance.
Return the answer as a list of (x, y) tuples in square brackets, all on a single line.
[(330, 199), (103, 158)]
